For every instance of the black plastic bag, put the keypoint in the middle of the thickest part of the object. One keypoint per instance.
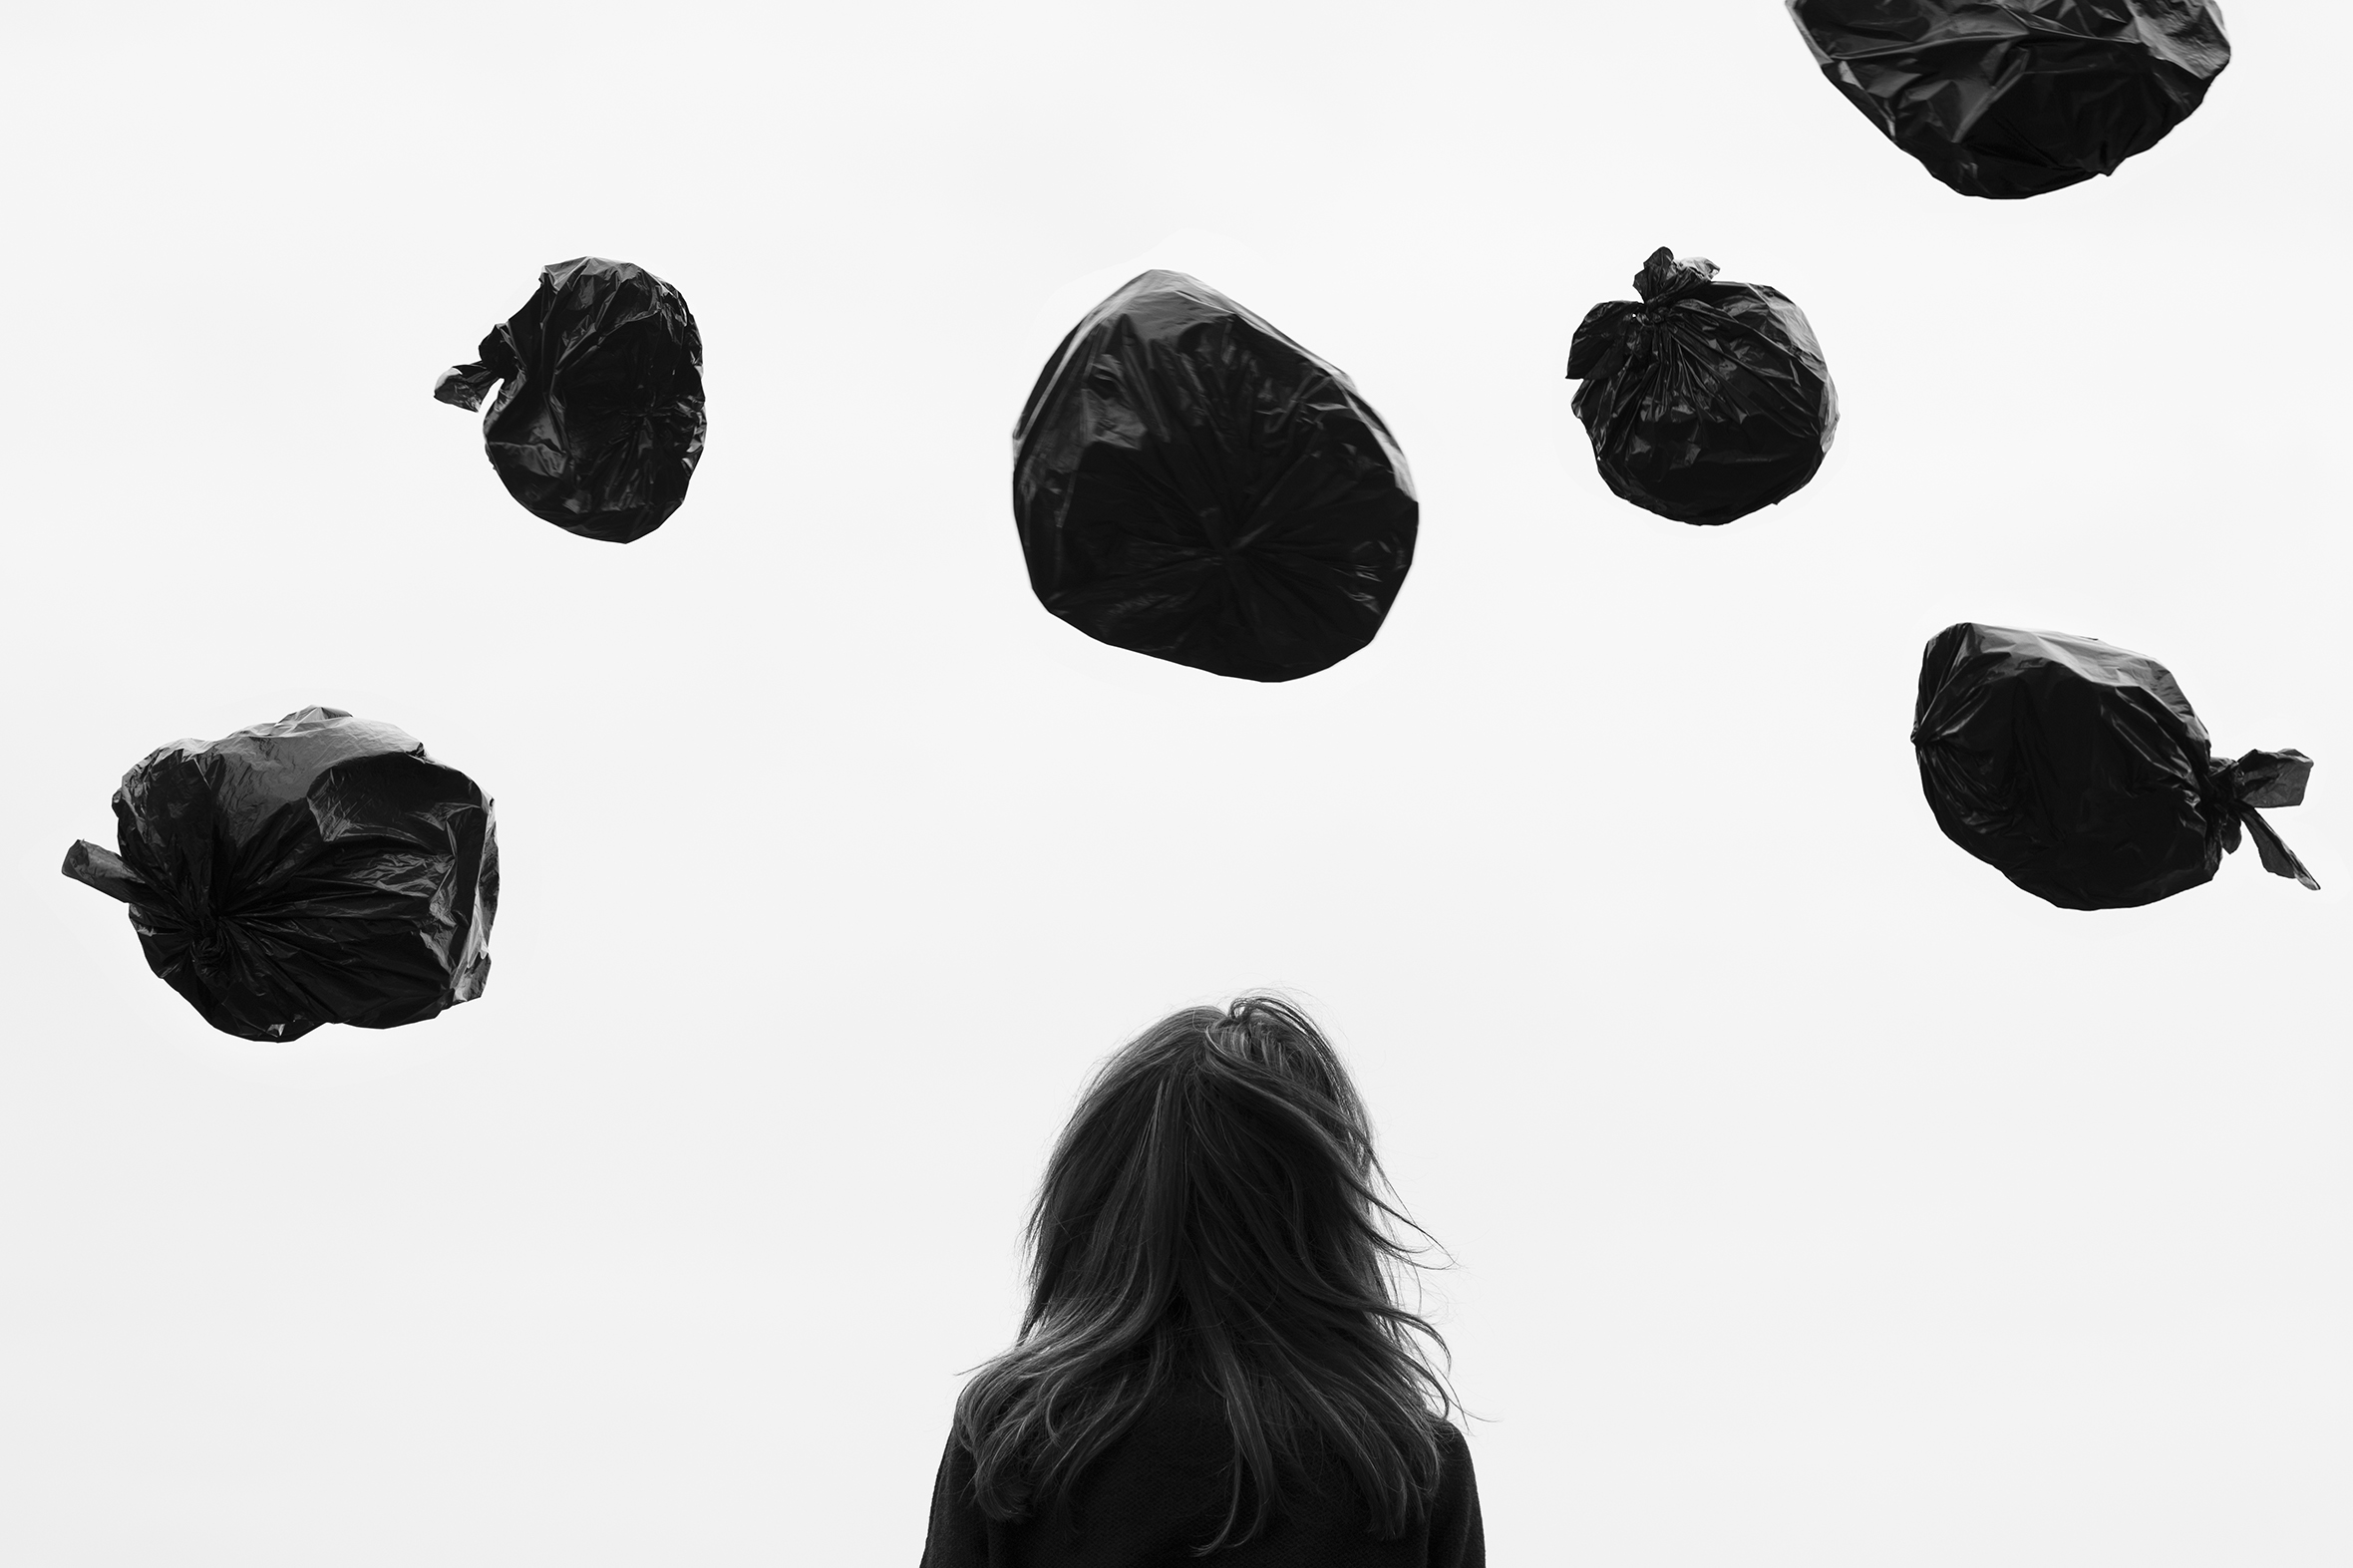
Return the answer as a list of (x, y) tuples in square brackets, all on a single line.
[(2079, 771), (1706, 401), (1193, 484), (2013, 98), (600, 421), (317, 870)]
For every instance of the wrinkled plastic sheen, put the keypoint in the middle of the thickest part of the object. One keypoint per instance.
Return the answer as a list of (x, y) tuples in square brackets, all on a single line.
[(317, 870), (1705, 401), (599, 422), (1190, 483), (2079, 771), (2007, 99)]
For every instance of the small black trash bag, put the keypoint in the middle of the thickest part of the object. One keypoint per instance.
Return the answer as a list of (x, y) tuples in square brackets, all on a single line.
[(2012, 97), (1706, 401), (1193, 484), (317, 870), (600, 421), (2079, 771)]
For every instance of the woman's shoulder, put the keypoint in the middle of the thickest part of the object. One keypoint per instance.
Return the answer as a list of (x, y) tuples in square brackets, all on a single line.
[(1448, 1433), (1453, 1451)]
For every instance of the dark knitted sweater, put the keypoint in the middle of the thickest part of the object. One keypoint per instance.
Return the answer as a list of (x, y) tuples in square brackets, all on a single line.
[(1163, 1488)]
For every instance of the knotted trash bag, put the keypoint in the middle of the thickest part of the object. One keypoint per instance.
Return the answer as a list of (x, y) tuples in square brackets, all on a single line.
[(1193, 484), (2079, 771), (599, 422), (317, 870), (2013, 98), (1705, 401)]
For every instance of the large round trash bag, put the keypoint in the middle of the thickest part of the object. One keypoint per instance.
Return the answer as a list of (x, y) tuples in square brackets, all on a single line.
[(599, 422), (318, 871), (2079, 771), (1190, 483), (2012, 97), (1705, 401)]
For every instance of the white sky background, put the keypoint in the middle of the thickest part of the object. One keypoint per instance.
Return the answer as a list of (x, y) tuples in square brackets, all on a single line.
[(1818, 1198)]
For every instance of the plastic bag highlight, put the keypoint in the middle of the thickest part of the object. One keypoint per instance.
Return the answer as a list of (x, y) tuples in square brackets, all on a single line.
[(2006, 98), (599, 423), (317, 870), (2079, 771), (1190, 483), (1706, 401)]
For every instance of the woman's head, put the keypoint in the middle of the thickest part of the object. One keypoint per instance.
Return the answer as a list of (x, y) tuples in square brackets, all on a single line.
[(1213, 1214)]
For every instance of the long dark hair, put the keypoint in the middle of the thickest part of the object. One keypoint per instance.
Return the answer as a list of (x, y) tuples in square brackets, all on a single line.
[(1212, 1213)]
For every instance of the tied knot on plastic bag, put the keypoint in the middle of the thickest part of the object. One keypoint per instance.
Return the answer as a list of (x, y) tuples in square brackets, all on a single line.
[(2261, 779), (185, 915), (208, 946), (1643, 329), (176, 917), (1663, 279)]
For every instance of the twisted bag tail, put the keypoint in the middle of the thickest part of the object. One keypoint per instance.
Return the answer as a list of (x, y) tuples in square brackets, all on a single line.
[(2265, 779), (105, 870), (464, 386)]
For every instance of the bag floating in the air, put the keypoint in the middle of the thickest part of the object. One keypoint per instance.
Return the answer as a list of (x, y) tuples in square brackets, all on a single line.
[(2079, 771), (1705, 401), (599, 423), (2013, 98), (1190, 483), (317, 870)]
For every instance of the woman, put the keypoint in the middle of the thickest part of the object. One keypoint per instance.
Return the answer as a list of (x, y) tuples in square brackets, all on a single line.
[(1211, 1363)]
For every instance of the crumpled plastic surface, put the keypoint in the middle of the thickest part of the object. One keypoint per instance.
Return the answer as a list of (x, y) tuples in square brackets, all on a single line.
[(1190, 483), (317, 870), (2012, 97), (599, 423), (2078, 770), (1706, 401)]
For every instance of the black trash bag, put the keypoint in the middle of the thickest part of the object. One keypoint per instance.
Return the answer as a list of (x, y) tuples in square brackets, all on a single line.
[(600, 421), (2079, 771), (317, 870), (1706, 401), (2012, 97), (1193, 484)]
